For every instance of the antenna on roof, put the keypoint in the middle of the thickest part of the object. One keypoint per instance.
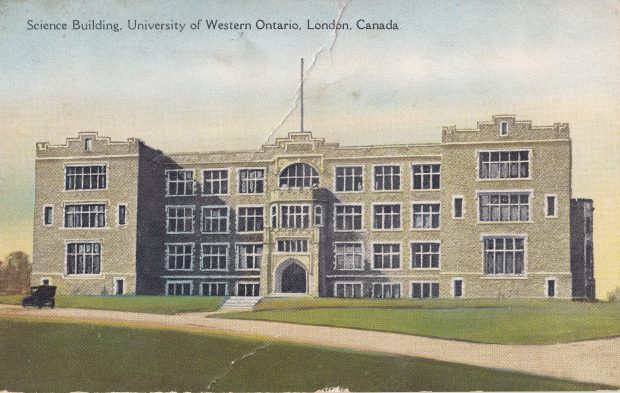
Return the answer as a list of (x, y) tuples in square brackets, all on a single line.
[(301, 96)]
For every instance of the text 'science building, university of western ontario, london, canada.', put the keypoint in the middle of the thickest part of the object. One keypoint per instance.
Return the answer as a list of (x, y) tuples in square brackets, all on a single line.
[(486, 213)]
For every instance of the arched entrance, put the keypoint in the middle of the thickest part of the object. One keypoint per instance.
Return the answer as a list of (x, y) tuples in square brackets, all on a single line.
[(291, 277)]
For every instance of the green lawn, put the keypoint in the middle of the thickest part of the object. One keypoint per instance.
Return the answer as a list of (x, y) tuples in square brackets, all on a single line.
[(489, 321), (60, 356), (149, 304)]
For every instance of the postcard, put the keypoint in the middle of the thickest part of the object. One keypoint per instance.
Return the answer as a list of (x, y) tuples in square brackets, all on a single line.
[(326, 195)]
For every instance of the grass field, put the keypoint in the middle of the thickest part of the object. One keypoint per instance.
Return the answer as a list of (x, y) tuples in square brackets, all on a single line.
[(58, 356), (149, 304), (488, 321)]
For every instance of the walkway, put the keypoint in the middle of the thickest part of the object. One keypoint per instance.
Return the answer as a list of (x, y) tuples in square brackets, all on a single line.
[(596, 361)]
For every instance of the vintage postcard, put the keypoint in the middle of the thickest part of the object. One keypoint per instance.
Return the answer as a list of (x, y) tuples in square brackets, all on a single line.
[(325, 195)]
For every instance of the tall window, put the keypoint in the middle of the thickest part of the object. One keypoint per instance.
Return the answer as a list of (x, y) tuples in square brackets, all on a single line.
[(215, 219), (251, 181), (424, 290), (85, 177), (346, 289), (386, 256), (299, 175), (215, 182), (294, 216), (426, 176), (179, 256), (348, 256), (179, 182), (387, 177), (349, 178), (550, 205), (179, 219), (292, 245), (504, 206), (250, 219), (348, 217), (213, 256), (425, 215), (385, 290), (504, 255), (318, 216), (83, 258), (424, 255), (457, 207), (249, 256), (505, 164), (386, 216), (85, 216), (122, 214), (48, 215)]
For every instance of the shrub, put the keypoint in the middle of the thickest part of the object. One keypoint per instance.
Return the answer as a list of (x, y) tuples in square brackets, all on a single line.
[(614, 296)]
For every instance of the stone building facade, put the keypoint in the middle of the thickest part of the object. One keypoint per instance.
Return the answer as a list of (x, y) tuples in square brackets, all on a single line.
[(486, 213)]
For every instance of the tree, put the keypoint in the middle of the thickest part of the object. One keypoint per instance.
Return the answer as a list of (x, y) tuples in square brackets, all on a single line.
[(15, 273)]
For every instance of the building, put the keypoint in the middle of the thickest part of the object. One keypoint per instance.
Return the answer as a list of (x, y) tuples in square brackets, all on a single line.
[(486, 213)]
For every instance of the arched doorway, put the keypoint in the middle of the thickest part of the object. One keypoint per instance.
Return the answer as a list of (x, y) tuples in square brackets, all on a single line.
[(291, 277)]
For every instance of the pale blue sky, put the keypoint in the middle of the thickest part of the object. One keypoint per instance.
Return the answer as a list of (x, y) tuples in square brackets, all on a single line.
[(451, 63)]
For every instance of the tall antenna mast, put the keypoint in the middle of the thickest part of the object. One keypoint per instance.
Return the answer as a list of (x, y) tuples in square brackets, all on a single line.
[(301, 96)]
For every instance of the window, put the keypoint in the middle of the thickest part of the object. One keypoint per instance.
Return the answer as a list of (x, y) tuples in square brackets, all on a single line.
[(385, 290), (119, 286), (251, 181), (318, 216), (83, 258), (504, 255), (274, 216), (426, 176), (215, 182), (248, 289), (215, 219), (386, 216), (249, 256), (88, 144), (179, 219), (550, 206), (213, 256), (424, 290), (292, 245), (179, 288), (179, 256), (122, 214), (457, 287), (504, 206), (348, 256), (345, 289), (85, 216), (179, 182), (213, 288), (250, 219), (503, 128), (294, 216), (299, 175), (386, 256), (457, 207), (425, 255), (387, 177), (504, 164), (348, 217), (48, 215), (85, 177), (349, 179), (550, 287), (425, 215)]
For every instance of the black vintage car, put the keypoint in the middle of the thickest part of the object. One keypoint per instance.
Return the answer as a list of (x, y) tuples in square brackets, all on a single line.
[(40, 296)]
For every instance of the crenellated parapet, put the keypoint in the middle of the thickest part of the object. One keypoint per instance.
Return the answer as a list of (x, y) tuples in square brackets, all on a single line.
[(88, 144), (503, 128)]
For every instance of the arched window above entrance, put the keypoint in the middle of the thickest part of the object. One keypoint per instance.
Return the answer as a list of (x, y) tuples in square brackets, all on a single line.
[(299, 175)]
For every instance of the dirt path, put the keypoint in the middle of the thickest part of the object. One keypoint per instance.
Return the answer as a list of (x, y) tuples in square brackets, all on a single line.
[(595, 361)]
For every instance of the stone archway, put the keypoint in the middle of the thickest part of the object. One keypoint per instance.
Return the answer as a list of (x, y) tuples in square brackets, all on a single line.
[(291, 277)]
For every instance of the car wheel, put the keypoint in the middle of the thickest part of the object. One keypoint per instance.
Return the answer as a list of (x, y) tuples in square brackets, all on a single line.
[(52, 303), (39, 305)]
